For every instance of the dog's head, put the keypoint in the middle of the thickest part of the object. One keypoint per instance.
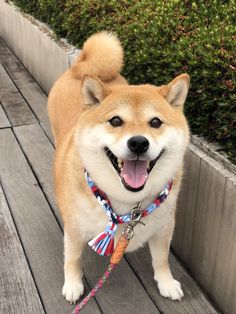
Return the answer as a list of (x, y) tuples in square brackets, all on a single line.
[(132, 138)]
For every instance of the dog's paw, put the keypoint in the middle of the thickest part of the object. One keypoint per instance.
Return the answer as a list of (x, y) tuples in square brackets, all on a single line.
[(171, 289), (72, 290)]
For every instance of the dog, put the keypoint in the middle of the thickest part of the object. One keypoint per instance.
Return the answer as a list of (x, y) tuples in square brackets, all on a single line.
[(131, 139)]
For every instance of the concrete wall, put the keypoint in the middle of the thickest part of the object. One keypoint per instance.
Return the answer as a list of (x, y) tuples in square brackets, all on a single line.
[(206, 226), (206, 216), (35, 45)]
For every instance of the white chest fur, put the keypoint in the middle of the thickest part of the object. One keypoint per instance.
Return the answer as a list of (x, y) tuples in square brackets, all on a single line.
[(91, 219)]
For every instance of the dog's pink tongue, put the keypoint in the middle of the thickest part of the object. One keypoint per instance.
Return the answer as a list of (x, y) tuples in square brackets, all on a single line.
[(135, 172)]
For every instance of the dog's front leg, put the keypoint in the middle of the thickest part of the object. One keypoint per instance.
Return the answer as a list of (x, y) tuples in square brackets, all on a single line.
[(73, 245), (159, 246)]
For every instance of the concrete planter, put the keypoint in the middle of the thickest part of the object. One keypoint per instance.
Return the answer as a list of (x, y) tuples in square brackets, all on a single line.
[(206, 217), (206, 224), (35, 45)]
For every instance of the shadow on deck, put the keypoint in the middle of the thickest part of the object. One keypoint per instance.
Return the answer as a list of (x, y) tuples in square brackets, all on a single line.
[(31, 237)]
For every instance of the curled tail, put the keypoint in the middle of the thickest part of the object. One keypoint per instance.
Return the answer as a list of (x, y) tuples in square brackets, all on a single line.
[(101, 56)]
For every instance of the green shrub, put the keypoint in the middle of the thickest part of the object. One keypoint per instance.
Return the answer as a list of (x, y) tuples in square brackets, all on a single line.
[(161, 40)]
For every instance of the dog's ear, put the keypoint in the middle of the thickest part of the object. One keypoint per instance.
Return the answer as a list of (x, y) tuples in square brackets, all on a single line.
[(93, 91), (176, 91)]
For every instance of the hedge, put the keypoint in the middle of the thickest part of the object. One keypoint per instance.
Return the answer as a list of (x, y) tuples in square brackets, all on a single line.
[(161, 40)]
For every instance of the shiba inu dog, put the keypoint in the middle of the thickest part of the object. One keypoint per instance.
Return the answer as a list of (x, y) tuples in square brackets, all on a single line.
[(131, 140)]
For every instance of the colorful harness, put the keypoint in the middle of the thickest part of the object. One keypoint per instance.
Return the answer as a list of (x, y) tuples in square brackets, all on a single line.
[(103, 243)]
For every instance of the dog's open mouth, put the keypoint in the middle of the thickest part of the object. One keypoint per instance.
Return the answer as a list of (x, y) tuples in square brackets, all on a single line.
[(133, 173)]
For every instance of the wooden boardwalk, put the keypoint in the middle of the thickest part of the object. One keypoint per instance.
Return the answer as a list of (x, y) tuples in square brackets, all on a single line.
[(31, 231)]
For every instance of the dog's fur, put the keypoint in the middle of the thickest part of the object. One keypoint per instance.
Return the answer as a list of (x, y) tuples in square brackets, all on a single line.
[(81, 104)]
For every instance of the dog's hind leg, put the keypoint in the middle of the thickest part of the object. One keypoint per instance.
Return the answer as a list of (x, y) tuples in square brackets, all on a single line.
[(73, 245), (159, 246)]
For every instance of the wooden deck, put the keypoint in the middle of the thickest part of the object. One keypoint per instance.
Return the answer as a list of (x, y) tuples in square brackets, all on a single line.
[(31, 231)]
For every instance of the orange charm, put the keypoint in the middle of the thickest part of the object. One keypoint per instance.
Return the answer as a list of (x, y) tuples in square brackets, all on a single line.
[(119, 250)]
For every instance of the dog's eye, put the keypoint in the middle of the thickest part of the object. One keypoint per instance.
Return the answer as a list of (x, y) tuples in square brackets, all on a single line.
[(116, 121), (155, 123)]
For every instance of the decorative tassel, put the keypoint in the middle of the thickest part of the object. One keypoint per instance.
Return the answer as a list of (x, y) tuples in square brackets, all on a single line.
[(103, 243)]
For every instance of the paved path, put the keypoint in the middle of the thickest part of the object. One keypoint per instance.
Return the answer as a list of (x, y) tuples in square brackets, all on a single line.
[(31, 231)]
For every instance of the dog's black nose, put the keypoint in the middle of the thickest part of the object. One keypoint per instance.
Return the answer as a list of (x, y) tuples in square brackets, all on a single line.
[(138, 144)]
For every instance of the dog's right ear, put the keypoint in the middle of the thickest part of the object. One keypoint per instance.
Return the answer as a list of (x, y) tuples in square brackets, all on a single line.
[(93, 90)]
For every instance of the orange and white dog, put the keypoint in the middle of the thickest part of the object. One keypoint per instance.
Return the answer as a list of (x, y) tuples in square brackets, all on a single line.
[(131, 140)]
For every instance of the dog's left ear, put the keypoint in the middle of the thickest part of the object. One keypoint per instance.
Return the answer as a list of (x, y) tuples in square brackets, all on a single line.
[(93, 90), (176, 91)]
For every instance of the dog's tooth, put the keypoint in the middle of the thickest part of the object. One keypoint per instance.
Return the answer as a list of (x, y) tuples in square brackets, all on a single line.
[(120, 162)]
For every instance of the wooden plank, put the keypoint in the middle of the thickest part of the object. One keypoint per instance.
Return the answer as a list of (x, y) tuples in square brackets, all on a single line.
[(18, 293), (34, 143), (4, 122), (30, 90), (223, 287), (194, 300), (14, 105), (36, 225)]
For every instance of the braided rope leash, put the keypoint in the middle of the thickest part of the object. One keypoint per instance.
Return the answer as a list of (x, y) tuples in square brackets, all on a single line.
[(122, 244), (93, 292)]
